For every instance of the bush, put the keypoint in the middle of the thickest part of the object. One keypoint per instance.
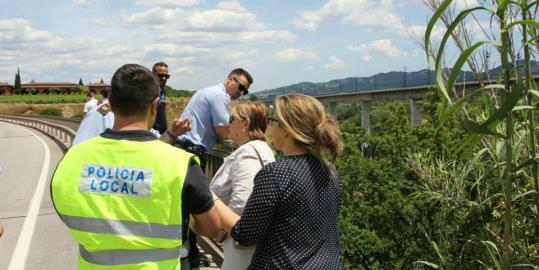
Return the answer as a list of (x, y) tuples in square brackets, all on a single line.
[(51, 112)]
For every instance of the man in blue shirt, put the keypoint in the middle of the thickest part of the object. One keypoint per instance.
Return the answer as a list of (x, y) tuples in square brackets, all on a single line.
[(208, 111)]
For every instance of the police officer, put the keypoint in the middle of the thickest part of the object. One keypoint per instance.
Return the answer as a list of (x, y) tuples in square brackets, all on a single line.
[(126, 206)]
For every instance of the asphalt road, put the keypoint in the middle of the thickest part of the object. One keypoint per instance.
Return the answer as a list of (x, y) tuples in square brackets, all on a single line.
[(34, 236)]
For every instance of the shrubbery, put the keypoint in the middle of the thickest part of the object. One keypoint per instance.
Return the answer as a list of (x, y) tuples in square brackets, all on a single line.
[(51, 112)]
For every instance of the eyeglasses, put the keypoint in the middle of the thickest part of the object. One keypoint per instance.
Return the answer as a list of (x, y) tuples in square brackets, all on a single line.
[(241, 87), (162, 76)]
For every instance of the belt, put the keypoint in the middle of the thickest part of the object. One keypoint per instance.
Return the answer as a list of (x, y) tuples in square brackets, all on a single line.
[(190, 147)]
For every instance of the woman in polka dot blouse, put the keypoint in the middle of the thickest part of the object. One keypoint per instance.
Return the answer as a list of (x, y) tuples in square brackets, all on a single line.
[(292, 213)]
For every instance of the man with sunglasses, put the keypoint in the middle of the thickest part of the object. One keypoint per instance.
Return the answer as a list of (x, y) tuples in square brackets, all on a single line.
[(160, 69), (208, 111)]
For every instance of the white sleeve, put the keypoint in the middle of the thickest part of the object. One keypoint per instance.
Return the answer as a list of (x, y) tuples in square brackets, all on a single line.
[(242, 173), (91, 126), (86, 105)]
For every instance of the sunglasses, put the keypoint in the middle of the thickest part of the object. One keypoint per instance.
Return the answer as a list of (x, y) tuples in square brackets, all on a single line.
[(241, 87), (162, 76)]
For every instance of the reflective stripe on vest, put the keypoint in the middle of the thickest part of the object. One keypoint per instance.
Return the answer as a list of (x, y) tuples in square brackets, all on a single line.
[(117, 257), (98, 225)]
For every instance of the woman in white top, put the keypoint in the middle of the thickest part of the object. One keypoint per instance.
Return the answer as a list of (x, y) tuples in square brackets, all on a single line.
[(233, 182)]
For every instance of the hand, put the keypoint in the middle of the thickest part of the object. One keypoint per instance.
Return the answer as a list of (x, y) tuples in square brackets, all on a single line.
[(221, 236), (180, 126)]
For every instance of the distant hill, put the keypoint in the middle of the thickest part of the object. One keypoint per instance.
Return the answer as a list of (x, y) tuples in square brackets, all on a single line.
[(393, 79)]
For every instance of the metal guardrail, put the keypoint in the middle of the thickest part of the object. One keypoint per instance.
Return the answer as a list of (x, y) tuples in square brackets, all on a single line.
[(59, 133)]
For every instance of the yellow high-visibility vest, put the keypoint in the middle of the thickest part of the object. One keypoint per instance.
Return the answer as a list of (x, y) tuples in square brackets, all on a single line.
[(121, 201)]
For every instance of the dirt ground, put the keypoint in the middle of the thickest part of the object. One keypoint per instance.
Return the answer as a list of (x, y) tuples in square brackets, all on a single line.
[(174, 108)]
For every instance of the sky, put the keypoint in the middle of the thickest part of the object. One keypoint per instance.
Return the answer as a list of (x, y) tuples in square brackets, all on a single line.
[(280, 42)]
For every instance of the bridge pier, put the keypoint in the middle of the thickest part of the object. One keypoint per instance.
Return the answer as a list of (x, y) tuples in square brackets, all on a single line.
[(415, 113), (366, 115), (332, 108)]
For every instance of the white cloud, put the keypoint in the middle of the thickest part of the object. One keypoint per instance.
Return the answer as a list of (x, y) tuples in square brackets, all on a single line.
[(227, 16), (153, 16), (462, 4), (173, 49), (223, 20), (368, 13), (84, 3), (384, 46), (418, 32), (168, 3), (217, 38), (335, 63), (295, 54)]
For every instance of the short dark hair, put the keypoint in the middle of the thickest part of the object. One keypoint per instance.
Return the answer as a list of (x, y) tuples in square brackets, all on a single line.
[(241, 71), (134, 87), (158, 64), (105, 92), (91, 93)]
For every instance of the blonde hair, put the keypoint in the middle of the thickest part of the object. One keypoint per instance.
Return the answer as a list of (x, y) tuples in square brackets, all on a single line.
[(304, 118), (255, 112)]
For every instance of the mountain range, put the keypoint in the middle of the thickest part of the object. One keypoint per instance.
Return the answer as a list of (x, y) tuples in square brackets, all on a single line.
[(389, 80)]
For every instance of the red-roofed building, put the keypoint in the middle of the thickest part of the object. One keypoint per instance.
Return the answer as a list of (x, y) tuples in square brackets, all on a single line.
[(6, 89), (43, 87), (97, 87)]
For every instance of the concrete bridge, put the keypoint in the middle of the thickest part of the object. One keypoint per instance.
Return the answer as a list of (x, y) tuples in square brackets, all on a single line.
[(366, 98)]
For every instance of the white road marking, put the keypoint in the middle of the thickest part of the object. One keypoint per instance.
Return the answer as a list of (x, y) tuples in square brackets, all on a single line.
[(18, 260)]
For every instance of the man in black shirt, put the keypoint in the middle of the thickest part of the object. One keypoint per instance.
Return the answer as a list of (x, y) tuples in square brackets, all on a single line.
[(160, 69)]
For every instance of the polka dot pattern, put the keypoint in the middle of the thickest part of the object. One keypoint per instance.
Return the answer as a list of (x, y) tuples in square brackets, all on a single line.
[(292, 216)]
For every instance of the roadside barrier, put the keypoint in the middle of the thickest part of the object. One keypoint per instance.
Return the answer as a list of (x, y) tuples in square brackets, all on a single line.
[(62, 135)]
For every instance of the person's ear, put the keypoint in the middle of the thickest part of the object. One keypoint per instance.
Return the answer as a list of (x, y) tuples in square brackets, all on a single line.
[(246, 123)]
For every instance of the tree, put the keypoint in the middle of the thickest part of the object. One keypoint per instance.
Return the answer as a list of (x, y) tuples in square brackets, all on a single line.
[(17, 80), (80, 82), (101, 82)]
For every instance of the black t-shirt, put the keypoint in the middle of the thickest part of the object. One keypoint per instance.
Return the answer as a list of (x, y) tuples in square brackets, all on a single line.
[(196, 194)]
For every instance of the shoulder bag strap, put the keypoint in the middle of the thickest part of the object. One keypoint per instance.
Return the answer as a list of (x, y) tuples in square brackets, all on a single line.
[(257, 154)]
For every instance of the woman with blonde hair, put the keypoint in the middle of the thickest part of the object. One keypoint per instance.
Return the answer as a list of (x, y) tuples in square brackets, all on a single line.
[(233, 182), (292, 214)]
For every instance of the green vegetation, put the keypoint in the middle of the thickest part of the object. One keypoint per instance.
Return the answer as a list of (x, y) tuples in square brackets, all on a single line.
[(171, 92), (51, 112), (42, 99), (461, 190)]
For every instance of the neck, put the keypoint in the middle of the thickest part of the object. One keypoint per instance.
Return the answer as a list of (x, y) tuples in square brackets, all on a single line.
[(244, 140), (130, 123), (293, 149)]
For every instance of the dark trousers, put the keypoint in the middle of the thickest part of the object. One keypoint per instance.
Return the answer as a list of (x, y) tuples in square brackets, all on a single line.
[(199, 151), (161, 124)]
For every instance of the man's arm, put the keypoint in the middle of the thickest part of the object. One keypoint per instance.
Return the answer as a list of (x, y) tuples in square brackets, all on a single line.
[(222, 132), (178, 127), (207, 224), (91, 126), (199, 203), (220, 116)]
